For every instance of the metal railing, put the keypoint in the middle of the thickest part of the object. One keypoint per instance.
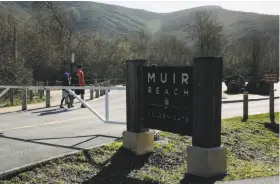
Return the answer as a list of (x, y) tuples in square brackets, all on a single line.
[(113, 81), (69, 89), (40, 93)]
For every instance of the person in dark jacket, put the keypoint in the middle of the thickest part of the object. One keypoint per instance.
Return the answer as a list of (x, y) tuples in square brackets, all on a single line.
[(74, 82), (65, 94)]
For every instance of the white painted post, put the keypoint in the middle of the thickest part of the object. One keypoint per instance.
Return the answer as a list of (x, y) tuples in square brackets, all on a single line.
[(86, 104), (106, 105)]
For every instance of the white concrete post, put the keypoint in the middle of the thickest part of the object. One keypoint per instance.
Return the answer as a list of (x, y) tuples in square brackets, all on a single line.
[(106, 105)]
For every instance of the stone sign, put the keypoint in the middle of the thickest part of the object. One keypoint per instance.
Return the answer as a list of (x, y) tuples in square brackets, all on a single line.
[(168, 99), (271, 77)]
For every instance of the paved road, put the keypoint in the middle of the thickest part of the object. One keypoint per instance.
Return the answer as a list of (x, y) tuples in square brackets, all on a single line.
[(39, 134), (263, 180)]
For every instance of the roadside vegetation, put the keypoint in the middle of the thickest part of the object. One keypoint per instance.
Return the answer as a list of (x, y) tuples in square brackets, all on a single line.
[(252, 151)]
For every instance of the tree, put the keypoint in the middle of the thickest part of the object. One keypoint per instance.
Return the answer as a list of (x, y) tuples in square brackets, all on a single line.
[(49, 40), (207, 34), (170, 51), (257, 51), (13, 69)]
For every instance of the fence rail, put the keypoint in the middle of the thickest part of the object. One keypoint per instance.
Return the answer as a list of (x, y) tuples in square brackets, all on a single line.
[(101, 90), (113, 81), (38, 89), (64, 87)]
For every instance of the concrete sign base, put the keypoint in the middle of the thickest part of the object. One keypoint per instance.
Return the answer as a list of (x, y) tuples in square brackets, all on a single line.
[(139, 143), (206, 162)]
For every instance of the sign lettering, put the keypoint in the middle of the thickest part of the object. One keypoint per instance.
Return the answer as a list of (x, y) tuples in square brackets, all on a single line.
[(271, 77), (167, 96)]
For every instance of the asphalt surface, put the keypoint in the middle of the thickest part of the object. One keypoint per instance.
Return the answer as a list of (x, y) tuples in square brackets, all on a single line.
[(35, 135), (263, 180)]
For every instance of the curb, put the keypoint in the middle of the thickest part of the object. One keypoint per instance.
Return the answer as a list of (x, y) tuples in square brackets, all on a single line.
[(249, 100), (13, 172)]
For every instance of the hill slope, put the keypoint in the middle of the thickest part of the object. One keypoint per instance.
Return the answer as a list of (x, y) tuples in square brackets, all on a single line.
[(117, 20)]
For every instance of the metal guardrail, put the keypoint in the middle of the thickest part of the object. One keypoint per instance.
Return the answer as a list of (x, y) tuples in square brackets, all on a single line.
[(113, 81), (63, 87), (69, 89)]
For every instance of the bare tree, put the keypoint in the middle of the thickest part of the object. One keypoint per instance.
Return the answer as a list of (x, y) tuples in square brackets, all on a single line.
[(49, 40), (170, 51), (207, 34), (257, 50), (12, 63)]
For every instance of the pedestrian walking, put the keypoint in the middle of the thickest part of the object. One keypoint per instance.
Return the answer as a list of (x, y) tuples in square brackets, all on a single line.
[(65, 94), (81, 82)]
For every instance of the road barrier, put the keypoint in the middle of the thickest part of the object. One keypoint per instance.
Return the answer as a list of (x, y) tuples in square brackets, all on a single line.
[(48, 89), (41, 93)]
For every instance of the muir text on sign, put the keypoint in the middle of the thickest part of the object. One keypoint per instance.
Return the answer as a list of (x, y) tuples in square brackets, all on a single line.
[(163, 77), (167, 98)]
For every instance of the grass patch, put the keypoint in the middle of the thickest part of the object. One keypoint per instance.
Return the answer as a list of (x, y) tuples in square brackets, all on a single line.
[(252, 151), (18, 101)]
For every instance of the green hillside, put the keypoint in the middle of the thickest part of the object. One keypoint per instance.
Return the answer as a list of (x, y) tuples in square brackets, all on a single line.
[(117, 20)]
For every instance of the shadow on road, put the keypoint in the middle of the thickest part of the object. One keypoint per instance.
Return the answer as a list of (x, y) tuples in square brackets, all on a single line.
[(30, 110), (57, 145), (72, 137), (53, 111), (122, 163), (39, 108)]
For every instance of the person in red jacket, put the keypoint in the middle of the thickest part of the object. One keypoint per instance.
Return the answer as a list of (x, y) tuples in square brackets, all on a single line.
[(81, 81)]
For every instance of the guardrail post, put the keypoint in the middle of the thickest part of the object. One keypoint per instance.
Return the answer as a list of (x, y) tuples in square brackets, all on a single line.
[(106, 105), (12, 96), (37, 84), (245, 106), (97, 91), (48, 98), (102, 92), (91, 94), (31, 95), (24, 99), (271, 103), (41, 92)]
